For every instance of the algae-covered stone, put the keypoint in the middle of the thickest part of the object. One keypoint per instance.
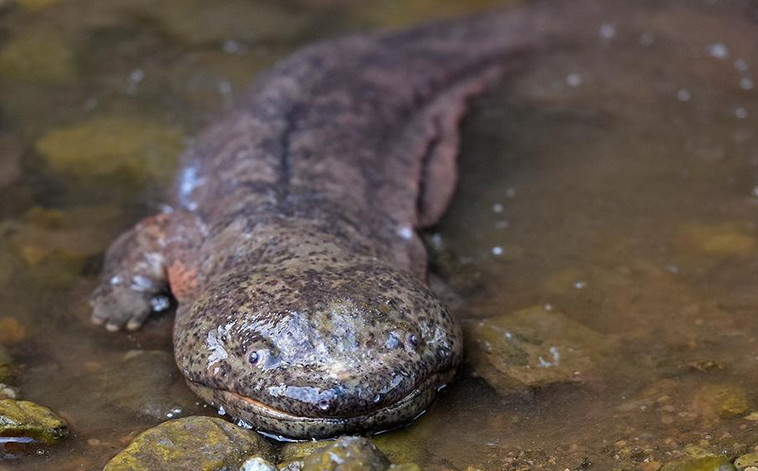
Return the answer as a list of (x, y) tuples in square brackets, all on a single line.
[(6, 365), (532, 348), (191, 443), (746, 461), (720, 239), (36, 56), (30, 420), (724, 400), (347, 454), (707, 463), (131, 148)]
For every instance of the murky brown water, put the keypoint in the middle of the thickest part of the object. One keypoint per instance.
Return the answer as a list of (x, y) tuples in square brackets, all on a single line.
[(614, 180)]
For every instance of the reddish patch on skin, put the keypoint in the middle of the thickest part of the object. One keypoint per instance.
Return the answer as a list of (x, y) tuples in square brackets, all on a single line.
[(182, 279)]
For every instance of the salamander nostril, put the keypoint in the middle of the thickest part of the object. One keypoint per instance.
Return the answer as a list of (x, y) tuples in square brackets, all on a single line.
[(253, 358)]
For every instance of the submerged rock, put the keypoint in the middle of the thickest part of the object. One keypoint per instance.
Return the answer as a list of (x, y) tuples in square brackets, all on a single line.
[(191, 443), (11, 330), (724, 400), (6, 365), (24, 419), (134, 149), (533, 348), (706, 463), (37, 57), (144, 384), (722, 239), (347, 454)]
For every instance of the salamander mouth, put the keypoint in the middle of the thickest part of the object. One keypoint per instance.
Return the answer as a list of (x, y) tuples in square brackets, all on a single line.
[(285, 425)]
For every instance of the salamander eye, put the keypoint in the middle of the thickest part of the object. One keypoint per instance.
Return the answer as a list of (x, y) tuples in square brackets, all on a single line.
[(412, 341), (253, 358)]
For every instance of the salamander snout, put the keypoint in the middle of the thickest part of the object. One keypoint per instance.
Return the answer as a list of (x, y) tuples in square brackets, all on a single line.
[(334, 343)]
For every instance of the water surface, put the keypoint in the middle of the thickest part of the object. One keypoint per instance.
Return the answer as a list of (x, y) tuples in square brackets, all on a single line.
[(611, 178)]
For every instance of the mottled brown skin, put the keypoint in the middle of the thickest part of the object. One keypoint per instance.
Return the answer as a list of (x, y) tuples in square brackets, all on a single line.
[(292, 247)]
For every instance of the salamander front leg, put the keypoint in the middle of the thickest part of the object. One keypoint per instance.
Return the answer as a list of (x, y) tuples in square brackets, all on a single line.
[(134, 283)]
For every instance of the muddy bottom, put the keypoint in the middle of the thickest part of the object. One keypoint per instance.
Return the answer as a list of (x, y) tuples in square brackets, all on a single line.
[(605, 218)]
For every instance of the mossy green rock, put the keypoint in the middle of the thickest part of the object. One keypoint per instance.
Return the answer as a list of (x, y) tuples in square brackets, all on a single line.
[(347, 454), (726, 400), (747, 460), (192, 444), (27, 419), (706, 463), (135, 150), (6, 365), (37, 57)]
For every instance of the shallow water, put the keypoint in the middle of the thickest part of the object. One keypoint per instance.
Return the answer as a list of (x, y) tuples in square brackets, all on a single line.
[(612, 178)]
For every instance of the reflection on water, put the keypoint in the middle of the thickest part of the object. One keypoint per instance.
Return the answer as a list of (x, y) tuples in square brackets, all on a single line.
[(604, 228)]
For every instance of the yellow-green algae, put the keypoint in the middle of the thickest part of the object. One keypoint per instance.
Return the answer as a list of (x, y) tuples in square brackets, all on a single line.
[(717, 239), (192, 443), (37, 56), (725, 400), (136, 149), (706, 463), (27, 419), (347, 454), (747, 460)]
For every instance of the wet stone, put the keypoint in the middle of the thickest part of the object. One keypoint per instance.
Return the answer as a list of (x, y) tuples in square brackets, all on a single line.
[(533, 348), (191, 443), (37, 57), (747, 461), (257, 463), (706, 463), (347, 454), (24, 419), (8, 392), (131, 149)]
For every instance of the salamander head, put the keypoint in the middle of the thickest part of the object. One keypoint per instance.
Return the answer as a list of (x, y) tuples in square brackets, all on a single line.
[(313, 353)]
